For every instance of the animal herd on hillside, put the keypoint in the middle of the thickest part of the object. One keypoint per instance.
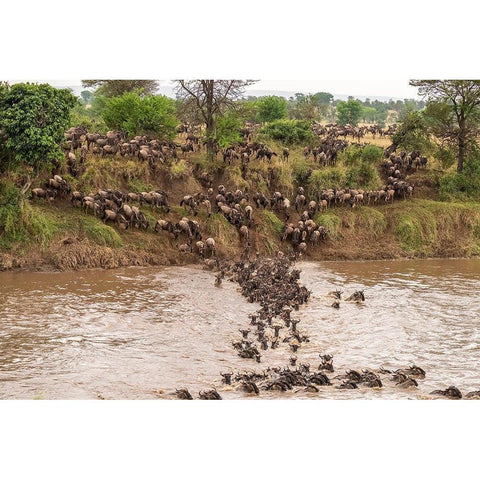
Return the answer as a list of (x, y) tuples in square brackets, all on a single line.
[(124, 209)]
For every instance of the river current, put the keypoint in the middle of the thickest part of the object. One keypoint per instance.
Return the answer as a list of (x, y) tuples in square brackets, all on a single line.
[(141, 333)]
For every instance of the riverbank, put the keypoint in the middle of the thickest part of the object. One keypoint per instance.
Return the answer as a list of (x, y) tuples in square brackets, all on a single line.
[(39, 236), (417, 228)]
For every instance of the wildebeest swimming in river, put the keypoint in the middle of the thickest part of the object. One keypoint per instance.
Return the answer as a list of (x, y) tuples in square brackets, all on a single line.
[(210, 395), (450, 392), (357, 296), (183, 394)]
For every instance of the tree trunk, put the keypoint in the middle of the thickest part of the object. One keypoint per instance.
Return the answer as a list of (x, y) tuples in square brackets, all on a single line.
[(209, 121), (462, 144), (209, 132)]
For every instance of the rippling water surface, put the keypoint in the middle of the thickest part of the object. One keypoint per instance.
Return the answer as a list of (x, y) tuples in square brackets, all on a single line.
[(143, 332)]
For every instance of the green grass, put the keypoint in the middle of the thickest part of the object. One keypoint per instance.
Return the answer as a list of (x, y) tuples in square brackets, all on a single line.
[(373, 220), (22, 224), (138, 185), (270, 224), (331, 221), (426, 225), (100, 233), (221, 230), (179, 169)]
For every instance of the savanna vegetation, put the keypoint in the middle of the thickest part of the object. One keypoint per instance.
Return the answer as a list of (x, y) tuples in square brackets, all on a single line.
[(211, 135)]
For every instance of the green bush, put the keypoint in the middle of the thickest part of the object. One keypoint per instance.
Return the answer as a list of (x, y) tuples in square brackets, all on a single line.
[(364, 176), (354, 155), (465, 185), (271, 108), (328, 178), (34, 118), (446, 157), (138, 115), (372, 154), (301, 170), (350, 156), (330, 221), (289, 132), (227, 129)]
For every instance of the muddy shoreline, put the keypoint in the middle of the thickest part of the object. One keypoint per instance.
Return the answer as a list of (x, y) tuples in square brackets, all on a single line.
[(86, 256)]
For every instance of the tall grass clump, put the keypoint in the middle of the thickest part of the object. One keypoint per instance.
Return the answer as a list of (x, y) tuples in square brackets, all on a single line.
[(331, 222), (271, 224), (179, 169), (327, 178), (219, 228), (373, 220), (100, 233), (20, 222)]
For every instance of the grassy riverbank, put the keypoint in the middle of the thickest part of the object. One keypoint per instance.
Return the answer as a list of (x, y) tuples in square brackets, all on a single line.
[(67, 239), (60, 236)]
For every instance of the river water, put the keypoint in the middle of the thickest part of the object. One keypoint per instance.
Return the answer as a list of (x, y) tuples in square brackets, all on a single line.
[(141, 333)]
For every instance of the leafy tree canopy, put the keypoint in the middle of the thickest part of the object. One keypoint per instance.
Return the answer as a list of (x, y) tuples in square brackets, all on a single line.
[(322, 98), (116, 88), (349, 112), (33, 120), (227, 129), (412, 134), (463, 99), (141, 115), (271, 108)]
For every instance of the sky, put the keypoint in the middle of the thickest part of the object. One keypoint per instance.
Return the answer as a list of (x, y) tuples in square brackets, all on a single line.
[(396, 89), (355, 87)]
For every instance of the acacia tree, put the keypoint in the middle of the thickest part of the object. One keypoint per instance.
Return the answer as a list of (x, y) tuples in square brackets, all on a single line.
[(462, 97), (211, 98), (116, 88)]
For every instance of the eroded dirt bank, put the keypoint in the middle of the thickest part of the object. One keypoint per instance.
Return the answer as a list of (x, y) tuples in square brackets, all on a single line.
[(407, 229)]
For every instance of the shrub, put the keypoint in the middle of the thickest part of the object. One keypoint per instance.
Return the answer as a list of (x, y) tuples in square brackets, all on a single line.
[(271, 108), (328, 178), (371, 154), (330, 221), (353, 155), (289, 132), (465, 185), (364, 176), (446, 157), (138, 115), (227, 129)]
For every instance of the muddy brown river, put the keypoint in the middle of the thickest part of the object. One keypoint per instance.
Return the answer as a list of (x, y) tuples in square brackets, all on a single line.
[(140, 333)]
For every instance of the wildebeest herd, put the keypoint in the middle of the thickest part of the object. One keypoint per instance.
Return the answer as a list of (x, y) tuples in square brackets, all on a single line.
[(118, 207), (274, 284)]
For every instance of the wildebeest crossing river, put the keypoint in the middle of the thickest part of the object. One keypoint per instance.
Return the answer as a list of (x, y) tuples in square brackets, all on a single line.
[(142, 333)]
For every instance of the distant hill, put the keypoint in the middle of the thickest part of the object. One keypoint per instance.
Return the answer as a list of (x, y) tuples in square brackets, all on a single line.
[(167, 90)]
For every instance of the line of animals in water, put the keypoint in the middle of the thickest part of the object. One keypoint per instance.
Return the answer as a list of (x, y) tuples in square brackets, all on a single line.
[(274, 283)]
